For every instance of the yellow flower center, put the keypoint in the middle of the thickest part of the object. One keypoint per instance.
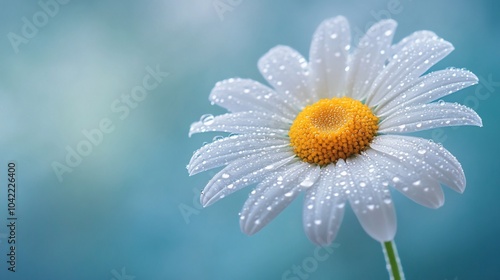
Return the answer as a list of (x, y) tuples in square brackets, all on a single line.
[(331, 129)]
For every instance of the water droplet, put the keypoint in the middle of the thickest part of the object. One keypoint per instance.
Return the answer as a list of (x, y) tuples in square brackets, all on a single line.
[(343, 173), (441, 102), (370, 206), (257, 222), (317, 222), (225, 175), (388, 33), (387, 200), (419, 125), (230, 186), (341, 205), (307, 183), (396, 179), (207, 119), (218, 137), (269, 167), (417, 183), (334, 36), (362, 184), (269, 208), (289, 194), (310, 206), (242, 217), (422, 151)]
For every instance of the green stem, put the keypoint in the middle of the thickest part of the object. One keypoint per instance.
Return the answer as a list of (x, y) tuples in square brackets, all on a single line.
[(392, 259)]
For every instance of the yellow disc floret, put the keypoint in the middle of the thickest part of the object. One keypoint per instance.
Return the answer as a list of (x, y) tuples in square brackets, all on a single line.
[(331, 129)]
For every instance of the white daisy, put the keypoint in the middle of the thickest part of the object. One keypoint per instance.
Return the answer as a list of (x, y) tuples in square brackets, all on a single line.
[(331, 127)]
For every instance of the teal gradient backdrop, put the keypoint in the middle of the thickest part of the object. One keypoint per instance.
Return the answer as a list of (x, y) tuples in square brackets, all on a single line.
[(119, 212)]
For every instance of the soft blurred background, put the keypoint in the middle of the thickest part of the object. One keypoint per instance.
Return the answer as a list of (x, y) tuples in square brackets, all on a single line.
[(129, 210)]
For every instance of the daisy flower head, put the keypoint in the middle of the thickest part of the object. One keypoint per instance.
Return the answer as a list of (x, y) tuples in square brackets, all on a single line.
[(333, 127)]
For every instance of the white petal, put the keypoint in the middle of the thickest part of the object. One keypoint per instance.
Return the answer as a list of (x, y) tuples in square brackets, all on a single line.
[(222, 152), (405, 67), (369, 197), (399, 169), (427, 158), (243, 172), (370, 57), (287, 71), (427, 116), (324, 208), (237, 95), (328, 57), (428, 88), (421, 35), (243, 122), (274, 194)]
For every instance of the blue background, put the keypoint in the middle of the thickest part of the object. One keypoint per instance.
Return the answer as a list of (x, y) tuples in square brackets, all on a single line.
[(119, 211)]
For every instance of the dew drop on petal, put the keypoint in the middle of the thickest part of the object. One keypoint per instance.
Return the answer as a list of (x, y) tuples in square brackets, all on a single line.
[(218, 137), (269, 167), (310, 206), (317, 222), (417, 183), (225, 175), (207, 119), (257, 222), (307, 183), (289, 194), (370, 206)]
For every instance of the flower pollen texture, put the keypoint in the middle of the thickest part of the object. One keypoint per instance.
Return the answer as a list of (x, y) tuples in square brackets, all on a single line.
[(331, 129)]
